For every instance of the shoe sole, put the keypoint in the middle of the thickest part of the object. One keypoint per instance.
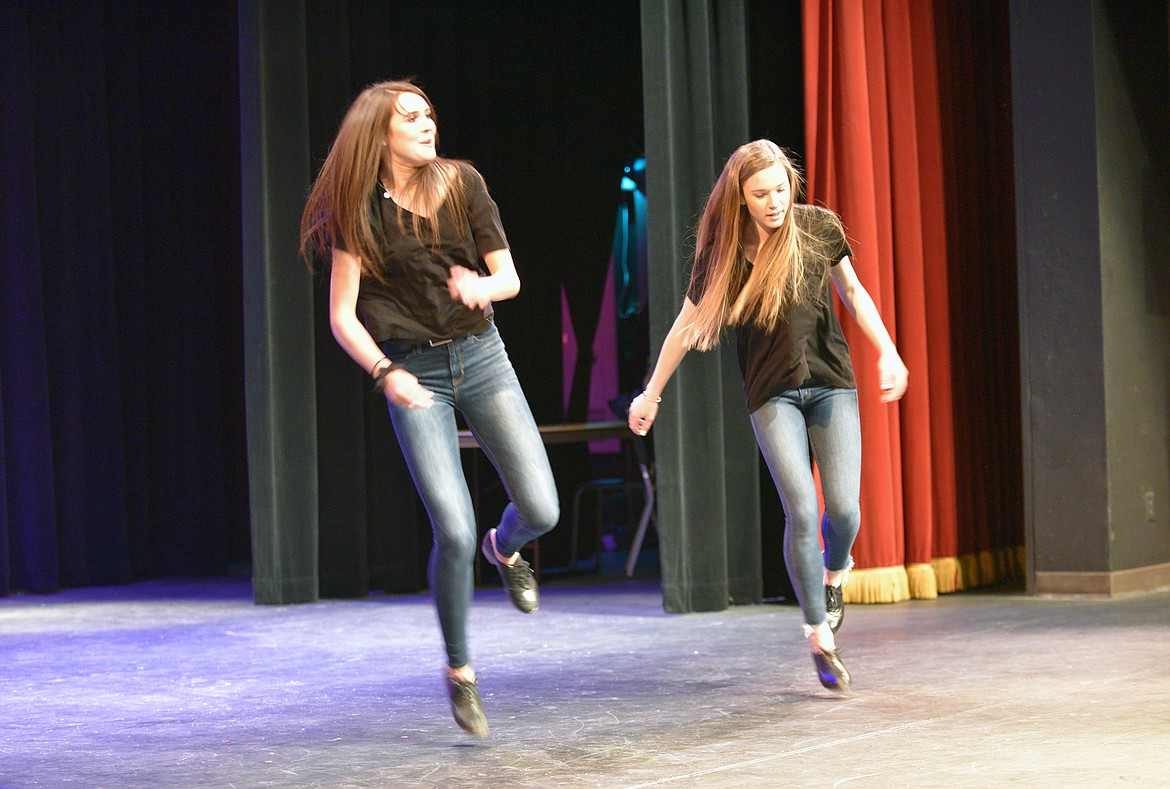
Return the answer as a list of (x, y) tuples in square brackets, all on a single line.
[(475, 724), (834, 680)]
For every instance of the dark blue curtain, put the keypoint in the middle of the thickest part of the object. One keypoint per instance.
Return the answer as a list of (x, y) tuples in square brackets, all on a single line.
[(120, 346)]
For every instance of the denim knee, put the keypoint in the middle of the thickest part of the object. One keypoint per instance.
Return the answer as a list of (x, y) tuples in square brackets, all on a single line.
[(545, 517), (845, 520), (455, 543), (804, 517)]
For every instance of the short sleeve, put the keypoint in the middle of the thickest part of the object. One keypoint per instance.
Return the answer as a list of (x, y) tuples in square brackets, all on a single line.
[(832, 233), (483, 215), (698, 279)]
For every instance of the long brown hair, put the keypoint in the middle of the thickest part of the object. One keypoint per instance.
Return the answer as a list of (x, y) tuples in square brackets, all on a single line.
[(780, 274), (337, 212)]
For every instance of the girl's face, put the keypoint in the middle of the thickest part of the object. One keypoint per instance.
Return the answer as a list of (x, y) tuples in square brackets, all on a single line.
[(767, 197), (411, 137)]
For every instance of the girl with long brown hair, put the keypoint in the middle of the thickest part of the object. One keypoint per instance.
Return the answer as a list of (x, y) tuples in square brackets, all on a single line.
[(417, 255), (764, 264)]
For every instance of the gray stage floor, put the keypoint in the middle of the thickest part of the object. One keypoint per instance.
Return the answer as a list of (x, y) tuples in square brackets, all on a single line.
[(188, 684)]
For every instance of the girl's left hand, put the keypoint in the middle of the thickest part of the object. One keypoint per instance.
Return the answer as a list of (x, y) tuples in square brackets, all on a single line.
[(893, 375), (642, 412), (467, 286)]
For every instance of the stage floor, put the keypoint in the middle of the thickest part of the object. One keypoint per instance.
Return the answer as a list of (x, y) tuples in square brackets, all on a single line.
[(188, 684)]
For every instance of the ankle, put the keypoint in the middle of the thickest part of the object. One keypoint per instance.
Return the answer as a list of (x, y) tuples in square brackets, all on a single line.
[(838, 578), (508, 560), (820, 637), (464, 673)]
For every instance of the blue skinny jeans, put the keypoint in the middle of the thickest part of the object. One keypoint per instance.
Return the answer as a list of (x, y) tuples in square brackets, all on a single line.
[(472, 375), (825, 419)]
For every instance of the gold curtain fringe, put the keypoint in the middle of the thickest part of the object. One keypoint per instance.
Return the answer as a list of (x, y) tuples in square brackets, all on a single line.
[(990, 566), (943, 575), (969, 562), (948, 574), (922, 582), (878, 585), (1020, 554)]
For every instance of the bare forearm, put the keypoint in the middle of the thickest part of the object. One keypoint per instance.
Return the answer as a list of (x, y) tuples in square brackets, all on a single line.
[(502, 285), (893, 376), (351, 335), (870, 322), (672, 352), (477, 291), (353, 338)]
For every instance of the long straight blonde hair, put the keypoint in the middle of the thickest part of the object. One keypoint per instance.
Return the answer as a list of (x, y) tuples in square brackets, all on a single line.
[(337, 212), (779, 275)]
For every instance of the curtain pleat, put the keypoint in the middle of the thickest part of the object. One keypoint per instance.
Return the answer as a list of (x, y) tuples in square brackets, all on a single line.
[(119, 247), (974, 76), (876, 134), (29, 503), (909, 135), (694, 87), (937, 537), (848, 170)]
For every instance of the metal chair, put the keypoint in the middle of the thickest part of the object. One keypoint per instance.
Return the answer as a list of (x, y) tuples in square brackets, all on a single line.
[(625, 487)]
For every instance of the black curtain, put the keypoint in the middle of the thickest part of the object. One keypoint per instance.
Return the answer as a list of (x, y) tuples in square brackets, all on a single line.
[(278, 323), (696, 94), (120, 346), (545, 99), (775, 111)]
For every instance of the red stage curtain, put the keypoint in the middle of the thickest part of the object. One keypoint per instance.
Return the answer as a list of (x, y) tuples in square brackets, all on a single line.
[(975, 83), (874, 138)]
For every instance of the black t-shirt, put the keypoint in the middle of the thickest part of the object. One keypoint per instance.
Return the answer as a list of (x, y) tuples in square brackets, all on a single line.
[(414, 303), (807, 343)]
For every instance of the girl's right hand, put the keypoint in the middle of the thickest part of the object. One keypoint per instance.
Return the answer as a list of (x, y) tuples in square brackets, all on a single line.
[(404, 390), (642, 413)]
